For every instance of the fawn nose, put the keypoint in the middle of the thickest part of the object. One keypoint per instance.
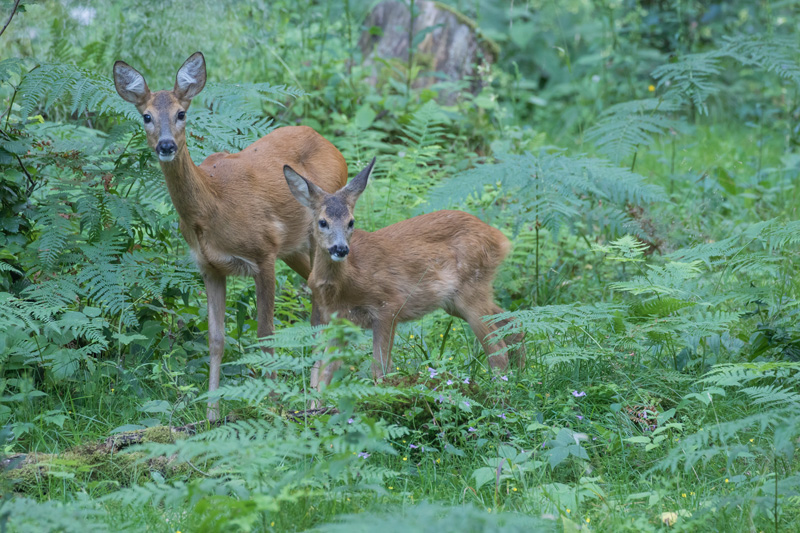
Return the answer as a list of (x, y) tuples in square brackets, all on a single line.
[(167, 147), (338, 252)]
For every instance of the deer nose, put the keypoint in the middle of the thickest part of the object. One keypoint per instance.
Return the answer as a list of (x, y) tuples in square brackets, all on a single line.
[(166, 147), (338, 251)]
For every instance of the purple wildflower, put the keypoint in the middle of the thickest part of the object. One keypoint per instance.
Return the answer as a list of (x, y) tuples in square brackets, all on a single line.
[(449, 381), (440, 399), (433, 372), (472, 429), (578, 394), (580, 417), (363, 455), (466, 381), (502, 415), (504, 378), (349, 420), (466, 403), (413, 446)]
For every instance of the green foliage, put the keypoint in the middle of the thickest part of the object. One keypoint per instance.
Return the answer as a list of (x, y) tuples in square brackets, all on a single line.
[(432, 518), (552, 190), (641, 156), (623, 128)]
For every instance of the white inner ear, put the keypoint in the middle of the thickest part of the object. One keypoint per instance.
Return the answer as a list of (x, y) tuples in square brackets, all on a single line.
[(135, 84), (188, 74), (185, 78)]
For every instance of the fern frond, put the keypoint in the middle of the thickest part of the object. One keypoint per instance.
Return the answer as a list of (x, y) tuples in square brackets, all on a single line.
[(52, 82), (429, 517), (552, 190), (774, 53), (624, 127), (690, 77)]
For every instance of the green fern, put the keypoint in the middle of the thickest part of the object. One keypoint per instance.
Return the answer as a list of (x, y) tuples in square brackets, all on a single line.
[(690, 77), (553, 190), (624, 127), (430, 518)]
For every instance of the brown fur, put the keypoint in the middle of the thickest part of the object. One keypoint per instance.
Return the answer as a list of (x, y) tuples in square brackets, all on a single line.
[(236, 211), (445, 259)]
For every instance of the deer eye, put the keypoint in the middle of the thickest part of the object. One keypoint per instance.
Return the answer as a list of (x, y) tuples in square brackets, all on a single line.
[(181, 115), (351, 223), (323, 224), (147, 118)]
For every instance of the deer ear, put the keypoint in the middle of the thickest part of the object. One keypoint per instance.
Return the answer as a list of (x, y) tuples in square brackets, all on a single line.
[(357, 185), (130, 84), (191, 78), (303, 190)]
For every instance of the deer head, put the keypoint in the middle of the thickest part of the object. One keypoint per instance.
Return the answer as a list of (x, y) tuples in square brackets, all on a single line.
[(163, 112), (333, 213)]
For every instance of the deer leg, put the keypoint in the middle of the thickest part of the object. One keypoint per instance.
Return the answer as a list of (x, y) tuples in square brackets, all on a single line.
[(265, 302), (517, 353), (382, 341), (495, 349), (215, 291)]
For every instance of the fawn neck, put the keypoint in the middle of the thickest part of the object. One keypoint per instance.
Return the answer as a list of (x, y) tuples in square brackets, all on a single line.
[(190, 187), (326, 271)]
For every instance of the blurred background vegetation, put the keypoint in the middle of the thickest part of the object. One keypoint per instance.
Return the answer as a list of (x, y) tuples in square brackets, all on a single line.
[(642, 156)]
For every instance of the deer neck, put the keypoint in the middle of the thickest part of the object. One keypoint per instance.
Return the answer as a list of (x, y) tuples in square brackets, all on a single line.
[(190, 187)]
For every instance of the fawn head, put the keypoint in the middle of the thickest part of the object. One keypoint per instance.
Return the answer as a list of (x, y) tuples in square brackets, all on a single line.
[(163, 112), (333, 213)]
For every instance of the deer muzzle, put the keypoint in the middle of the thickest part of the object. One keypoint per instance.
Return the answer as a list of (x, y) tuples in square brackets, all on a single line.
[(339, 252), (166, 149)]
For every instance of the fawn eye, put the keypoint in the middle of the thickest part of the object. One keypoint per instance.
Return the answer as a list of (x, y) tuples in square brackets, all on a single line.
[(351, 223), (147, 118), (323, 224), (181, 115)]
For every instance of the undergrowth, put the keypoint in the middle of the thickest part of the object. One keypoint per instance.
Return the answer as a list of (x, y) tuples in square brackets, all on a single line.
[(641, 158)]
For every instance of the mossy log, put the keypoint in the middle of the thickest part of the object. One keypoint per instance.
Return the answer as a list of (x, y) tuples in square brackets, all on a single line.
[(101, 460)]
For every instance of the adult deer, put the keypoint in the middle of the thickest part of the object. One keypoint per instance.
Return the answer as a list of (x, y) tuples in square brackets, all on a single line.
[(236, 212), (445, 259)]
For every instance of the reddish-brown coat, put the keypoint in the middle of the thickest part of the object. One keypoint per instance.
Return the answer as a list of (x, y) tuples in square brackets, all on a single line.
[(236, 211)]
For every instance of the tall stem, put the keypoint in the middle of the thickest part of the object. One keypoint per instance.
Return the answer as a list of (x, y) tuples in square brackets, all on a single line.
[(410, 62), (536, 288)]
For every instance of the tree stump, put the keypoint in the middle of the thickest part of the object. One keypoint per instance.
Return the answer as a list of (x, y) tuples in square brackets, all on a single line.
[(449, 49)]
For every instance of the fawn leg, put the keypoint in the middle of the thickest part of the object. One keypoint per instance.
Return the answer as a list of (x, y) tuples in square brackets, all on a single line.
[(323, 370), (495, 349), (215, 292), (382, 340), (517, 353)]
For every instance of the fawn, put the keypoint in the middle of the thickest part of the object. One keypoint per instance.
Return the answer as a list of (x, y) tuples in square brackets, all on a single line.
[(442, 260)]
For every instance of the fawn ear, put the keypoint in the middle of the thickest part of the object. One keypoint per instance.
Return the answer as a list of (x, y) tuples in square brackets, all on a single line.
[(191, 78), (303, 190), (353, 190), (130, 84)]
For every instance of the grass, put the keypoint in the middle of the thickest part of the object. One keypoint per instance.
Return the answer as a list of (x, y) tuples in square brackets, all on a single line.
[(660, 391)]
